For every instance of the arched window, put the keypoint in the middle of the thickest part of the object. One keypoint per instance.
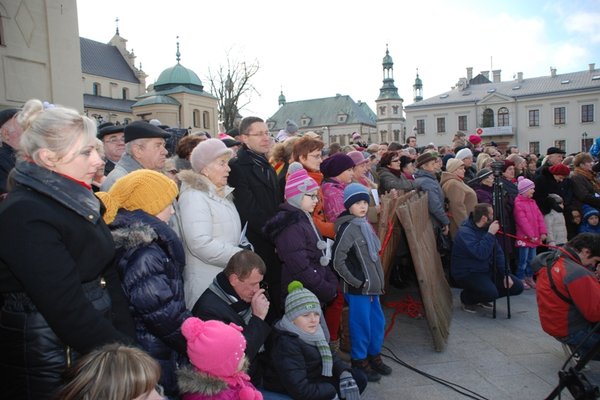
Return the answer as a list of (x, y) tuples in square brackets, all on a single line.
[(125, 93), (196, 118), (488, 118), (96, 89), (503, 119), (206, 120)]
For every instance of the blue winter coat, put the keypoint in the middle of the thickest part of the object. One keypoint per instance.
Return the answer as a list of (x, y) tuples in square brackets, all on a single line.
[(429, 183), (472, 251), (150, 262)]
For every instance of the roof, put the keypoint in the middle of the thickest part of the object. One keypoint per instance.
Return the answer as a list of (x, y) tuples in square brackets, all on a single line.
[(178, 75), (532, 87), (324, 112), (106, 103), (156, 99), (105, 60), (175, 90)]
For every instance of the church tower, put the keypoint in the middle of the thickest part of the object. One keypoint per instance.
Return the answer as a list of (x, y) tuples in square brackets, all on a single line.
[(418, 88), (390, 111)]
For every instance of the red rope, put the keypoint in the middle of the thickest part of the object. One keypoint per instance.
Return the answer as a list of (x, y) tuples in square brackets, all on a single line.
[(407, 306), (388, 236), (527, 241)]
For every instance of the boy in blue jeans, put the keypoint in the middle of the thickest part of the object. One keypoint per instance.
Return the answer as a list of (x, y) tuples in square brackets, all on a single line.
[(356, 260)]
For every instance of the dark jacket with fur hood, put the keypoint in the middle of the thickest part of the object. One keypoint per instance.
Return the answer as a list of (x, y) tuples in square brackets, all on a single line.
[(296, 243), (150, 262)]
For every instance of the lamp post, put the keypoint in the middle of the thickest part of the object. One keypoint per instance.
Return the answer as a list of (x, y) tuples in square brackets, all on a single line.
[(584, 136)]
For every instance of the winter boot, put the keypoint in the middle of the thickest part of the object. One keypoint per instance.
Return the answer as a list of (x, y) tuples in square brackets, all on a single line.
[(365, 367), (377, 364)]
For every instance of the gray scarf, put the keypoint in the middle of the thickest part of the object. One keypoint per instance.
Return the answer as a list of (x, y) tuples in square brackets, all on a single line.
[(317, 339), (373, 243)]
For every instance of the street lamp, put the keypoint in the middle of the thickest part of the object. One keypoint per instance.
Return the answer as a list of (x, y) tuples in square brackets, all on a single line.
[(584, 136)]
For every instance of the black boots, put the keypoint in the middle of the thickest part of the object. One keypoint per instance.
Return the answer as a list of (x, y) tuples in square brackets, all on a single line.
[(377, 364), (365, 367)]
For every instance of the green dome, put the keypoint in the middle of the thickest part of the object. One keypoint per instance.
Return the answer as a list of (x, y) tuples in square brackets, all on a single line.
[(387, 60), (178, 75)]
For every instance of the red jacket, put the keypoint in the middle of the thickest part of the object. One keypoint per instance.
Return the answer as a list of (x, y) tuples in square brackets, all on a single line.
[(558, 317)]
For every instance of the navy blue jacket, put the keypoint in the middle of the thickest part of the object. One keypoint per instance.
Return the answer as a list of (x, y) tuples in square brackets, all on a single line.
[(473, 250), (150, 263)]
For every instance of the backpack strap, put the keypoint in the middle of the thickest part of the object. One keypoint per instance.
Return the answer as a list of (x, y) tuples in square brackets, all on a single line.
[(551, 280)]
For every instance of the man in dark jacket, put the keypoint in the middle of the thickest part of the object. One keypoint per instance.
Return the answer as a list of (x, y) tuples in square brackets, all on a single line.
[(472, 266), (257, 197), (236, 296)]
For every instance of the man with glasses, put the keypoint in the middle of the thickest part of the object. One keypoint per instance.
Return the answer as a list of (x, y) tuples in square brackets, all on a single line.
[(144, 148), (113, 139), (257, 197), (475, 252), (10, 137)]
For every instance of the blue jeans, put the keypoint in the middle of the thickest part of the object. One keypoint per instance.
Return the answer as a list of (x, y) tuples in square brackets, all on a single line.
[(481, 288), (526, 254)]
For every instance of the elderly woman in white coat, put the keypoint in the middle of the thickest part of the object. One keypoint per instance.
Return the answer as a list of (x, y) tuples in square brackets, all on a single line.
[(210, 224)]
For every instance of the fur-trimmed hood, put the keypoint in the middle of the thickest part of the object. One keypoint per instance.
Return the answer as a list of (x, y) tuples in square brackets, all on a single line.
[(190, 380), (199, 182), (288, 215)]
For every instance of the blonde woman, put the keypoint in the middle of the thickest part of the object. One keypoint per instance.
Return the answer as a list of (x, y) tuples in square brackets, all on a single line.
[(56, 268)]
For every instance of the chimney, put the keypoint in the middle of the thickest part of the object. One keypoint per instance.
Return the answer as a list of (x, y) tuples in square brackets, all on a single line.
[(553, 72), (592, 67), (469, 73), (486, 74), (497, 73), (519, 77)]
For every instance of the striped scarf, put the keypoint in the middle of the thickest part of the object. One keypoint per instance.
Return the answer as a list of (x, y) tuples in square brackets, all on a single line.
[(316, 339)]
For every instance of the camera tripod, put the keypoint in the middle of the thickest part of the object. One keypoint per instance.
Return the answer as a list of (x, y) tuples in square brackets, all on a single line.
[(574, 380), (498, 207)]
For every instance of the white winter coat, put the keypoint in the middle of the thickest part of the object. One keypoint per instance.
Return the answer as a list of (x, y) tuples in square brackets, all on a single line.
[(210, 229)]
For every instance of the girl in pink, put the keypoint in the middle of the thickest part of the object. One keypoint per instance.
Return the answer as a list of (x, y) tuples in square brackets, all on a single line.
[(216, 351), (531, 230)]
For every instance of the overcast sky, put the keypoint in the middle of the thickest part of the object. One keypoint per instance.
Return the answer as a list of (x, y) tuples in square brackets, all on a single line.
[(313, 49)]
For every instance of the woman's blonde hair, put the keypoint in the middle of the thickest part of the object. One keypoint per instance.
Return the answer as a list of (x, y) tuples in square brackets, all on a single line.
[(111, 372), (54, 128)]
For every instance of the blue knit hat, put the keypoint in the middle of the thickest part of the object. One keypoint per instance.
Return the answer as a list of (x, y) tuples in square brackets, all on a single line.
[(353, 193), (588, 211)]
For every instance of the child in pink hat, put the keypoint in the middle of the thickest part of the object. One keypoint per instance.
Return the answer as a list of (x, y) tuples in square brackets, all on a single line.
[(216, 351)]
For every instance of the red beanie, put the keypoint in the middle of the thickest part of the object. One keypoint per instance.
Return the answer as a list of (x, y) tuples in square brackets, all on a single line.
[(475, 139), (560, 169)]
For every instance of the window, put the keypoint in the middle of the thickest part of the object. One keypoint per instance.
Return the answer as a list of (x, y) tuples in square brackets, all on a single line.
[(441, 125), (561, 144), (382, 110), (125, 93), (421, 126), (196, 118), (462, 123), (534, 117), (126, 121), (503, 117), (96, 89), (587, 113), (488, 118), (534, 147), (395, 110), (560, 116), (206, 119)]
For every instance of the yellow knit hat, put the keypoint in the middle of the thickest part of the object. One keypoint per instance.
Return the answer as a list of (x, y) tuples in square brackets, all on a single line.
[(144, 189)]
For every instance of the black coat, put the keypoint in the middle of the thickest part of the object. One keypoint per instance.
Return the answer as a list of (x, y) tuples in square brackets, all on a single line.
[(150, 264), (257, 197), (546, 184), (211, 307), (7, 162), (295, 368), (54, 241)]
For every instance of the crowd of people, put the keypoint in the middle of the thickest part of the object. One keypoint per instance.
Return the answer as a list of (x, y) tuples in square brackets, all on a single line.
[(246, 266)]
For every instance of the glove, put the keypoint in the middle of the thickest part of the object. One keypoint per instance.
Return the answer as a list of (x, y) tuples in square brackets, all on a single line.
[(348, 387)]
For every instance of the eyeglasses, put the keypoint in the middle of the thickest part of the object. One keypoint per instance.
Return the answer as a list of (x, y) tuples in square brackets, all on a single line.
[(115, 140), (313, 197), (316, 156), (396, 160)]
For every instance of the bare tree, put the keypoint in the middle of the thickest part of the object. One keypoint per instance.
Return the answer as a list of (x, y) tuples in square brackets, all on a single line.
[(232, 85)]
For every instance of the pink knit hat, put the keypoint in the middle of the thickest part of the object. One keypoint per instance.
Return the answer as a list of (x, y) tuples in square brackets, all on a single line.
[(358, 157), (213, 346), (298, 184), (524, 185)]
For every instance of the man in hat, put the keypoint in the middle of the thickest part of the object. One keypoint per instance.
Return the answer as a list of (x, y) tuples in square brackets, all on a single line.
[(10, 137), (144, 148), (425, 178), (554, 156), (113, 139)]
